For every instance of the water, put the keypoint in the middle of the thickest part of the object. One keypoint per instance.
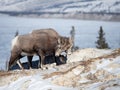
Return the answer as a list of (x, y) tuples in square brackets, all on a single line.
[(86, 31)]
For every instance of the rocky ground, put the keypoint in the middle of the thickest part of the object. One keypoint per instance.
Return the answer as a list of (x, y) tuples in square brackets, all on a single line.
[(86, 69)]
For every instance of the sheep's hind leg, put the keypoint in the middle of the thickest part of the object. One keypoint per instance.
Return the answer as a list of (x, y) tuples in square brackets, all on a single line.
[(20, 64)]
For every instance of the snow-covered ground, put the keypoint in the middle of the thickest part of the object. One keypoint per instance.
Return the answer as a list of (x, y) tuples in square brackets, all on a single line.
[(100, 70), (62, 6)]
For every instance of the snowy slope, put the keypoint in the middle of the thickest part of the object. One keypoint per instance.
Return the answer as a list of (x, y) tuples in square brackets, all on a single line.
[(61, 6), (99, 73)]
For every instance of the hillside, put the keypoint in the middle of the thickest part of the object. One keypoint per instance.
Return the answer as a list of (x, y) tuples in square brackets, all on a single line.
[(82, 9), (95, 70)]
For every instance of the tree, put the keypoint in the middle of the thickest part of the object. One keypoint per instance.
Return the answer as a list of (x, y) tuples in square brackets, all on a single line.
[(101, 42), (72, 33)]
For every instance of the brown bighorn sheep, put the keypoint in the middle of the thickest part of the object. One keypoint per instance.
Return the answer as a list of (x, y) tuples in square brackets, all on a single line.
[(39, 42)]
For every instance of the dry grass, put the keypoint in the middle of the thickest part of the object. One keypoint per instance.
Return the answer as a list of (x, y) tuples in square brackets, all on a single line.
[(9, 73), (6, 77)]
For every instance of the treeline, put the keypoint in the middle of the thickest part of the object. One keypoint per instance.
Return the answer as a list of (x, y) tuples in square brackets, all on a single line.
[(106, 16), (15, 13)]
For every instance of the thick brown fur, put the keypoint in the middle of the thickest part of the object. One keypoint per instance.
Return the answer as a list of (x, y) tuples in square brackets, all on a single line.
[(39, 42)]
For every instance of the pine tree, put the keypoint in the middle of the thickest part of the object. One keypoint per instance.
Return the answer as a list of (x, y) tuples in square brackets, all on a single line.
[(101, 42), (72, 33)]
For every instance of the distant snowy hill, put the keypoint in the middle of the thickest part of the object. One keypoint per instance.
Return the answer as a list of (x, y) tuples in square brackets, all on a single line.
[(71, 7)]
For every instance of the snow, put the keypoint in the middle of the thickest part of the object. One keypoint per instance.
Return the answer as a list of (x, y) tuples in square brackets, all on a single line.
[(98, 71), (85, 54), (101, 73), (61, 5), (33, 82)]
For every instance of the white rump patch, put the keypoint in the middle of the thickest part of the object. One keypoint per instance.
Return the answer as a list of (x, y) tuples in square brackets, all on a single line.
[(14, 42)]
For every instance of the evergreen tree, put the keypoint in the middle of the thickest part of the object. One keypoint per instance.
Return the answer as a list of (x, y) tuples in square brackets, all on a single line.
[(72, 33), (101, 42)]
